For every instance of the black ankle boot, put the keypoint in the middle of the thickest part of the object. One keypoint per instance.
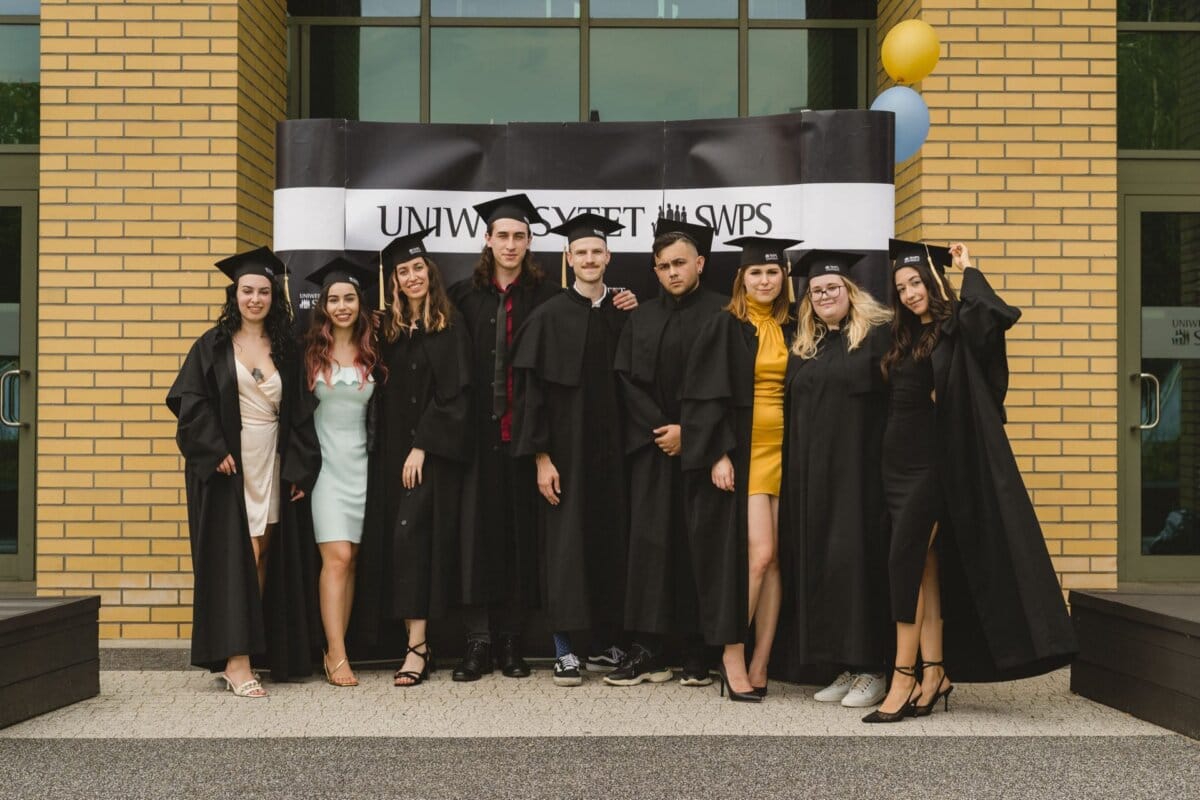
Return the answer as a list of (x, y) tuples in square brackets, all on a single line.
[(476, 662)]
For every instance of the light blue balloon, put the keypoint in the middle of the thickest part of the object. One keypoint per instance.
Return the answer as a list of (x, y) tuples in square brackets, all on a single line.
[(912, 119)]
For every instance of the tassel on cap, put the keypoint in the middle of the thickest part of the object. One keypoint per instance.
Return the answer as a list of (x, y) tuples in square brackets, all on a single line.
[(382, 296), (936, 276), (787, 276), (564, 268)]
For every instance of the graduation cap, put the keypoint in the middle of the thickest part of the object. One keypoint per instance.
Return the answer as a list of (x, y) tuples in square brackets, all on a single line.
[(260, 261), (341, 270), (700, 236), (815, 263), (909, 254), (397, 251), (513, 206)]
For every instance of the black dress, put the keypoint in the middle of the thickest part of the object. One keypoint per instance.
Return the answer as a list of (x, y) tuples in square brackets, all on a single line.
[(833, 532), (1001, 602), (914, 496)]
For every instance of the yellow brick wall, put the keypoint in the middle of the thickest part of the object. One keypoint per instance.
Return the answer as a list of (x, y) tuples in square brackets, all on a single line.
[(157, 158), (1021, 162)]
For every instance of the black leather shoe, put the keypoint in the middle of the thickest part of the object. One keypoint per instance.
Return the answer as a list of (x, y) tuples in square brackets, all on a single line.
[(476, 663), (512, 664)]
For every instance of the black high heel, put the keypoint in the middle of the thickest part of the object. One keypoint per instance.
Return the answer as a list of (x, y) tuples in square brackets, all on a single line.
[(416, 677), (734, 695), (941, 694), (761, 691), (909, 709)]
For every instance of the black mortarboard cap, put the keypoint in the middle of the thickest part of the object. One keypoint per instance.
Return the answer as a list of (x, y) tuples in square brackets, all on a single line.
[(699, 235), (763, 250), (260, 261), (908, 254), (341, 270), (405, 248), (587, 225), (513, 206), (815, 263)]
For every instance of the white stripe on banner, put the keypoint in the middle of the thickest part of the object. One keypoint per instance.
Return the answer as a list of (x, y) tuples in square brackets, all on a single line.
[(845, 216), (310, 218)]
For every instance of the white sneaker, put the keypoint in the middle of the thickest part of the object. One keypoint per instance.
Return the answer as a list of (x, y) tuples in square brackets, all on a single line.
[(868, 689), (836, 690)]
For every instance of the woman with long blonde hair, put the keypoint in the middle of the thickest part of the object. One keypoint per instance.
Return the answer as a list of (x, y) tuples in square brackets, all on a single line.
[(833, 524), (732, 438)]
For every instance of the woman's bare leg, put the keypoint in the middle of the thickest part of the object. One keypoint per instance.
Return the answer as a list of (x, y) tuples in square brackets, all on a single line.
[(416, 639), (336, 571), (770, 597)]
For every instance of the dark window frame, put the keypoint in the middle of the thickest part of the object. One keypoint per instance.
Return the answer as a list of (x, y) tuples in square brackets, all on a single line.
[(299, 46)]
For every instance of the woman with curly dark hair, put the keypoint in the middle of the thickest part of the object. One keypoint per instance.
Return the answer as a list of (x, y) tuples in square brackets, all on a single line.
[(250, 452), (972, 588), (340, 358)]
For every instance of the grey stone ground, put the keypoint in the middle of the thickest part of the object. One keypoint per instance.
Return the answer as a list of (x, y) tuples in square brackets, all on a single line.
[(159, 729)]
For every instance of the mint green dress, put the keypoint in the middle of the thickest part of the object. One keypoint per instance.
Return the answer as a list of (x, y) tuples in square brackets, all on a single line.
[(339, 499)]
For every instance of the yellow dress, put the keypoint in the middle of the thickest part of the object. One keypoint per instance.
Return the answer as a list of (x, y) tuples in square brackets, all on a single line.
[(766, 437)]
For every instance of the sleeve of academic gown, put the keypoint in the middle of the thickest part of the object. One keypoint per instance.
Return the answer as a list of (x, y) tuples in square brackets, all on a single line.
[(708, 397), (983, 319), (530, 420), (302, 462), (198, 432), (444, 428), (642, 414)]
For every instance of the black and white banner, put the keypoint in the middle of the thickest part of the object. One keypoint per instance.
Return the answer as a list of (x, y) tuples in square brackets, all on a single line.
[(821, 176)]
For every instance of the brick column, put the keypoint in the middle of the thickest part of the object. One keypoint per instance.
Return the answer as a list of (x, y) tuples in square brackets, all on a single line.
[(1021, 164), (157, 158)]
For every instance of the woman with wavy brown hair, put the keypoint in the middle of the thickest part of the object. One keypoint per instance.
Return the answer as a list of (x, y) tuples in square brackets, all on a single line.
[(340, 357), (425, 443)]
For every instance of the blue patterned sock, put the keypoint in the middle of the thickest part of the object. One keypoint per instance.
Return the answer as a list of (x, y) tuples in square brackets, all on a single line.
[(562, 644)]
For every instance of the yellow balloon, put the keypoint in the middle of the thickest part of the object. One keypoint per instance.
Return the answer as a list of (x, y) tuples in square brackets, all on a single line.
[(910, 51)]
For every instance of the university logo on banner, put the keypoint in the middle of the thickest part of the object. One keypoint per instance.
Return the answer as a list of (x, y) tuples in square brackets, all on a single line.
[(821, 176)]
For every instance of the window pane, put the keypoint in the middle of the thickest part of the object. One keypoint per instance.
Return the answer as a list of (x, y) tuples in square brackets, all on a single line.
[(20, 80), (795, 69), (1156, 108), (664, 74), (505, 8), (21, 7), (354, 8), (665, 9), (365, 73), (504, 75), (812, 9), (1158, 11)]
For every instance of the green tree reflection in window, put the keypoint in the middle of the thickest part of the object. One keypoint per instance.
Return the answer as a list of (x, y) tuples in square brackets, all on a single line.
[(1158, 90), (20, 86)]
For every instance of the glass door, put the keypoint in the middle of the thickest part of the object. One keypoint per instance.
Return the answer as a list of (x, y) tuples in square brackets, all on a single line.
[(1160, 502), (18, 270)]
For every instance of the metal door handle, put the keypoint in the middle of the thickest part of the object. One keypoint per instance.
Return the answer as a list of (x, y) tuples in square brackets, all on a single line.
[(5, 419), (1158, 401)]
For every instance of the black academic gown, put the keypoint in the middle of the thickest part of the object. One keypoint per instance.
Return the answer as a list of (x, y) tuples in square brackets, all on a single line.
[(833, 527), (411, 559), (566, 405), (498, 538), (661, 591), (1004, 612), (718, 415), (279, 629)]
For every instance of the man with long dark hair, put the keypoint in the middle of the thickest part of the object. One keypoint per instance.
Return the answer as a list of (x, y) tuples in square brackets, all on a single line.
[(498, 559)]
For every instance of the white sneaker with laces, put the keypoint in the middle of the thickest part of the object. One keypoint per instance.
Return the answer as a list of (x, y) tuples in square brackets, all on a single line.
[(566, 671), (868, 689), (835, 691)]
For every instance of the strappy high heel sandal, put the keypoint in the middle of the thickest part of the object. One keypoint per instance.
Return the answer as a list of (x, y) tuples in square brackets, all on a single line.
[(332, 681), (415, 678), (251, 688), (941, 694), (906, 710)]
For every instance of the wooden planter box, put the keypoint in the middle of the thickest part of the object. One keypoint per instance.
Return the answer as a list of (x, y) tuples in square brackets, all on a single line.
[(49, 654), (1140, 653)]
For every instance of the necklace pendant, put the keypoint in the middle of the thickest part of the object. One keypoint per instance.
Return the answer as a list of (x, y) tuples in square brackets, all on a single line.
[(257, 374)]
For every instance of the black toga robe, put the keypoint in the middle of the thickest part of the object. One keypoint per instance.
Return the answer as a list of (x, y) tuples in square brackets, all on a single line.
[(566, 405), (661, 590), (833, 527), (718, 415), (1004, 613), (279, 629), (498, 538)]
